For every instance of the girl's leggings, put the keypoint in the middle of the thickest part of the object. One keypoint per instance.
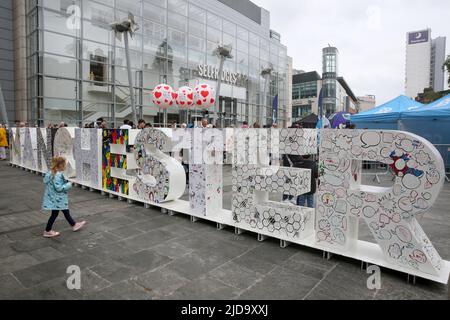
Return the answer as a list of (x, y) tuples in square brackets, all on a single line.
[(53, 217)]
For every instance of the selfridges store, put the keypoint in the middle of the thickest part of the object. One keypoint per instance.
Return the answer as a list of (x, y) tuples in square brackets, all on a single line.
[(77, 66)]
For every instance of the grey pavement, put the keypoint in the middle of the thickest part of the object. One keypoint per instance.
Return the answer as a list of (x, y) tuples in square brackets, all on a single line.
[(129, 252)]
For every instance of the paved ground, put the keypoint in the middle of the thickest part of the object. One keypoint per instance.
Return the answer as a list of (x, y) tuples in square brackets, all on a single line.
[(129, 252)]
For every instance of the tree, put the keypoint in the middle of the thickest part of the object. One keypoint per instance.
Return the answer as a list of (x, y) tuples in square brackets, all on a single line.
[(447, 66), (429, 96)]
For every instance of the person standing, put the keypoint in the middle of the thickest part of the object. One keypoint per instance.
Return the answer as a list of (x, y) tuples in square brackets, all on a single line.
[(126, 124), (3, 142), (142, 124), (308, 198)]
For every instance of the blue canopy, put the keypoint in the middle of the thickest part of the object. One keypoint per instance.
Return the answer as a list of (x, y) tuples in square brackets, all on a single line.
[(439, 110), (388, 112)]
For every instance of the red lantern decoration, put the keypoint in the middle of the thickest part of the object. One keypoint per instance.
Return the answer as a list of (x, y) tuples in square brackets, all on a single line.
[(163, 96), (185, 97), (204, 96)]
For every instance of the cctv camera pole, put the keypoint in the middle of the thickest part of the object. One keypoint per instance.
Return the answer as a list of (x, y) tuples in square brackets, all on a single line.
[(260, 108), (266, 73), (128, 27), (130, 78), (165, 109), (219, 83), (223, 52)]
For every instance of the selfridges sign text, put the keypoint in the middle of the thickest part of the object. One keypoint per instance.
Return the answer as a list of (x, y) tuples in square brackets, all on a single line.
[(146, 166), (210, 72)]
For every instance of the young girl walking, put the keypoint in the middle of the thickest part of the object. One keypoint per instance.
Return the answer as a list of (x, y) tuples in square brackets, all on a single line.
[(56, 198)]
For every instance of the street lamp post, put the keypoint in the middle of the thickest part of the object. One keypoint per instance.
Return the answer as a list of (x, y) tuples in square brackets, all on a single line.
[(223, 52), (265, 73), (127, 27)]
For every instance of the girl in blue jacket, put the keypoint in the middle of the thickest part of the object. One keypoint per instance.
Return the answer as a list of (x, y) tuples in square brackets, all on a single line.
[(56, 198)]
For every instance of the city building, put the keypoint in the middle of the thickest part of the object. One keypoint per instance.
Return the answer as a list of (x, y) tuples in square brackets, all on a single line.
[(76, 67), (290, 75), (346, 99), (7, 56), (330, 64), (305, 94), (438, 48), (336, 93), (366, 103), (306, 88), (424, 60)]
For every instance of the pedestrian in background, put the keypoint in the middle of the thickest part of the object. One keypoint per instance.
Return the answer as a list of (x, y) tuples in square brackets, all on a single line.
[(56, 197), (3, 142), (126, 124), (307, 199), (141, 124)]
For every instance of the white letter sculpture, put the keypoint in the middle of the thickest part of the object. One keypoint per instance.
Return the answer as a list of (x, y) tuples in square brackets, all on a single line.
[(390, 213), (253, 181), (160, 177)]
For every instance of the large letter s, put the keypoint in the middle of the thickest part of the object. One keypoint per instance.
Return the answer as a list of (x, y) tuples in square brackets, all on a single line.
[(160, 177)]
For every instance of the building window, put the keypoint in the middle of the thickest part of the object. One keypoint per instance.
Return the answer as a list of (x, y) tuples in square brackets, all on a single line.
[(302, 111), (304, 90), (97, 69)]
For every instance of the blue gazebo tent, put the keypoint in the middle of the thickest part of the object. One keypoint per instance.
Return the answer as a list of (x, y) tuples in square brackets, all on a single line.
[(439, 110), (385, 116), (432, 122)]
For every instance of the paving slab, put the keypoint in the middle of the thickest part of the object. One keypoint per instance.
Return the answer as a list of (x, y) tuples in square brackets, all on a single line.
[(129, 252)]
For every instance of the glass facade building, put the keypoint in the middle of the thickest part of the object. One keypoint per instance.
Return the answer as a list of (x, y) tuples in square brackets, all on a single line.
[(330, 83), (76, 66)]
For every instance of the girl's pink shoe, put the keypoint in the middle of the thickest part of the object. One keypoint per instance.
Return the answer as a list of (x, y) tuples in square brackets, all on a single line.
[(51, 234), (78, 226)]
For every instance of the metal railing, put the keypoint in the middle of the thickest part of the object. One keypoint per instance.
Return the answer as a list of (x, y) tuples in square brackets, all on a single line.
[(377, 169), (444, 150)]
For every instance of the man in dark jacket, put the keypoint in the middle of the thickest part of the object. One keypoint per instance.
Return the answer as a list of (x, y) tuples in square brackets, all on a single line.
[(305, 162)]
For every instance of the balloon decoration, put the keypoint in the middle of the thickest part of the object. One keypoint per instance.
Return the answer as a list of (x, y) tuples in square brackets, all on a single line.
[(185, 97), (164, 96), (204, 96)]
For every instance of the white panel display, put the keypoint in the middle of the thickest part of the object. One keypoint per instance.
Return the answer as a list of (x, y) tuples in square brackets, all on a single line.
[(15, 148), (205, 171), (44, 149), (87, 156), (63, 146)]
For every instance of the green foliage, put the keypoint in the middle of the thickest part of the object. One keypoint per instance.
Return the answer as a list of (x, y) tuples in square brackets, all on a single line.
[(430, 96), (447, 66)]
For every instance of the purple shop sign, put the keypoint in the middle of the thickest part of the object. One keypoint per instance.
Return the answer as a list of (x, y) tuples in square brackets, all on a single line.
[(418, 37)]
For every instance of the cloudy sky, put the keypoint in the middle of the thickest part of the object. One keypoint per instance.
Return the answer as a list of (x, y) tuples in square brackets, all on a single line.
[(370, 36)]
